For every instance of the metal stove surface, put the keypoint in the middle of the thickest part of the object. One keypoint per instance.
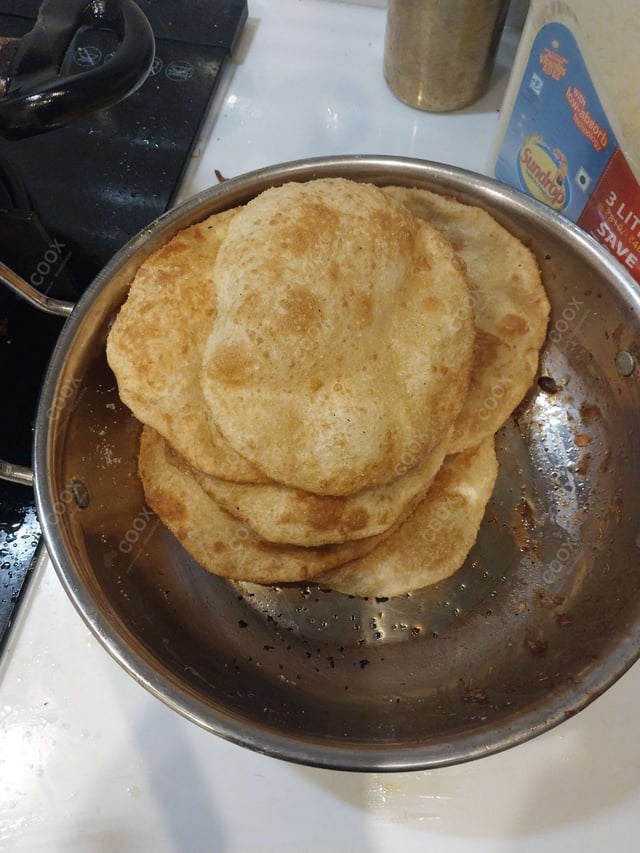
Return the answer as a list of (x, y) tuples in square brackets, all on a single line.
[(74, 196)]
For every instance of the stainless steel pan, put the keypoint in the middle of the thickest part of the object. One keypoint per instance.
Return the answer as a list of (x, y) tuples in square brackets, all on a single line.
[(542, 618)]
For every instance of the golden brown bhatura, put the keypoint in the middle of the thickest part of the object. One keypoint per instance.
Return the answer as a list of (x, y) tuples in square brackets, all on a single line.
[(156, 342), (433, 543), (510, 306), (330, 352), (218, 541), (281, 514), (320, 375)]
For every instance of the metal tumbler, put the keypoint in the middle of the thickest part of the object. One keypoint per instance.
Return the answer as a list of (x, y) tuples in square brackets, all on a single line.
[(439, 54)]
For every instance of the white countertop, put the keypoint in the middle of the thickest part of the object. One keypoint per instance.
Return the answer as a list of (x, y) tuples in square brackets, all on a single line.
[(89, 761)]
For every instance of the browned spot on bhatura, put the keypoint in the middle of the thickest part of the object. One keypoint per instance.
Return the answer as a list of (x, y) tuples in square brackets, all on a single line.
[(460, 264), (173, 457), (430, 304), (176, 247), (230, 362), (332, 513), (361, 308), (457, 241), (301, 234), (401, 230), (301, 309), (252, 304), (166, 505), (512, 324), (485, 349)]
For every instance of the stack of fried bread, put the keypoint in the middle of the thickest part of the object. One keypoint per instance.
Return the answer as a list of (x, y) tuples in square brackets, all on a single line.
[(320, 375)]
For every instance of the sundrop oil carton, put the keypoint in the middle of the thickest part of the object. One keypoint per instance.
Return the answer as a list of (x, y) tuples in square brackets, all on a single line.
[(569, 133)]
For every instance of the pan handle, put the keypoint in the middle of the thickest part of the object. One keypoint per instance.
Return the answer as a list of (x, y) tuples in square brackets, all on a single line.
[(9, 471), (39, 300), (16, 473)]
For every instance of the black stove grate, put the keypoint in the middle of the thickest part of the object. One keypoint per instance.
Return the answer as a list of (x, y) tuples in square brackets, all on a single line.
[(91, 186)]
